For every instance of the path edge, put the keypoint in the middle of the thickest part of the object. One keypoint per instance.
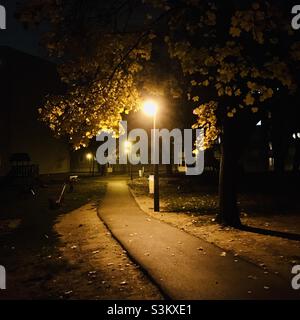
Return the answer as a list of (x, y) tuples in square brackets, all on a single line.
[(144, 270)]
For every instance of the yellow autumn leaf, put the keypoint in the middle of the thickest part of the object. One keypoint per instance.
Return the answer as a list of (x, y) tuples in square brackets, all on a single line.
[(235, 32), (249, 100), (254, 73), (270, 92), (152, 36), (196, 99), (254, 109), (228, 91), (251, 85), (237, 92), (244, 73), (220, 92)]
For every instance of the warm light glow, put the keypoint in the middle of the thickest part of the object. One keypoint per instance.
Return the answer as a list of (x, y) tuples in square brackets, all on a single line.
[(150, 108), (127, 145), (89, 156)]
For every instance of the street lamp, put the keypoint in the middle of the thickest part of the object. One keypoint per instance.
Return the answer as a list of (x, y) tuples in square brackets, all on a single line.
[(89, 157), (128, 146), (150, 108)]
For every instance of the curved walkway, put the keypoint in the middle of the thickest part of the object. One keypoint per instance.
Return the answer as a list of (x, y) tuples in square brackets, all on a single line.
[(183, 266)]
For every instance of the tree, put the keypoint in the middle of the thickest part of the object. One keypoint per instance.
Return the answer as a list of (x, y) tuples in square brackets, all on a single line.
[(99, 53), (235, 57), (239, 59)]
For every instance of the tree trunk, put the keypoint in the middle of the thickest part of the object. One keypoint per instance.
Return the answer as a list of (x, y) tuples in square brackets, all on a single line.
[(228, 210)]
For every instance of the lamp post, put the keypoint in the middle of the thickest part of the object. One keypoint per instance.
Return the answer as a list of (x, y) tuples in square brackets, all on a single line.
[(151, 108), (128, 146), (89, 157)]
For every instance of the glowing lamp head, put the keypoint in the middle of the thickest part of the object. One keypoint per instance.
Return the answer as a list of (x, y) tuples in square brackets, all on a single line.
[(150, 108), (127, 146), (89, 156)]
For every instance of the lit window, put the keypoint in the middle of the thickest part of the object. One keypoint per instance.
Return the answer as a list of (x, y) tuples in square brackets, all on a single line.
[(270, 146)]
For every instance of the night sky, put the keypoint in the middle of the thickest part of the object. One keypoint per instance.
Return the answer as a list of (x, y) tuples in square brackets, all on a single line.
[(15, 35)]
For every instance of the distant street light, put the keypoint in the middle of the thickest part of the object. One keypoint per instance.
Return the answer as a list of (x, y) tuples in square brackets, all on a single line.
[(150, 108), (89, 157)]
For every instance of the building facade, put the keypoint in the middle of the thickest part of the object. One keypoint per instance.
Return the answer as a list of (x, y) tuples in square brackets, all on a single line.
[(24, 83)]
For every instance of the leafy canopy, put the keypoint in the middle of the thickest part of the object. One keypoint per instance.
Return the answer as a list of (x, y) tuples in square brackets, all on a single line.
[(235, 56)]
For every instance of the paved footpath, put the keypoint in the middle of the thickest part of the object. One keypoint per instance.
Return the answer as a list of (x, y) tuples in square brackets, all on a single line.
[(184, 266)]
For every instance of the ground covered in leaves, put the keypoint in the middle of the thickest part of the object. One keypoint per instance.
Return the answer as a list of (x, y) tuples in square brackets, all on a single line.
[(272, 237), (66, 253)]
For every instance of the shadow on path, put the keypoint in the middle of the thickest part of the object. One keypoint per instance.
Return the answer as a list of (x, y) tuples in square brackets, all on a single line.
[(280, 234)]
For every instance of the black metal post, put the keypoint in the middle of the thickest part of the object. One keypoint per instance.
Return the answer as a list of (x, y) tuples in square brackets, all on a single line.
[(156, 172)]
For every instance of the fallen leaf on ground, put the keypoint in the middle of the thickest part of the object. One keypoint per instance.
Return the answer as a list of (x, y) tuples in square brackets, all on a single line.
[(92, 272), (67, 293)]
